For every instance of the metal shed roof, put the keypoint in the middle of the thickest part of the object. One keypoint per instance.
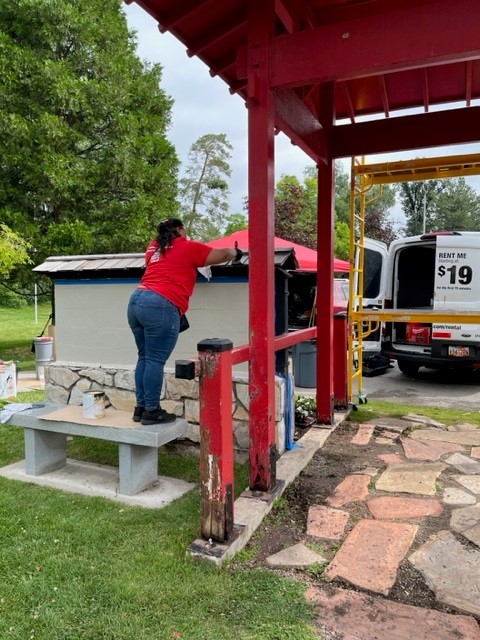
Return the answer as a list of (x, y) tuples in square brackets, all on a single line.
[(116, 263)]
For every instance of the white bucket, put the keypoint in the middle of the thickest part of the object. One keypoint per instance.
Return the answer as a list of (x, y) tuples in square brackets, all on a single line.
[(94, 404)]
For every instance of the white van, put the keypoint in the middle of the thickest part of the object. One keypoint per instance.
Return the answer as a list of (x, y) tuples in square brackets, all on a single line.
[(439, 271)]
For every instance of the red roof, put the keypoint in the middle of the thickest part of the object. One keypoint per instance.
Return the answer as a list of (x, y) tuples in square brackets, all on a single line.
[(376, 56), (307, 258)]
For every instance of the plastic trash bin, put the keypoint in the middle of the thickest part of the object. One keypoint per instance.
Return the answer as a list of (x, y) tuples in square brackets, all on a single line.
[(43, 352), (305, 364)]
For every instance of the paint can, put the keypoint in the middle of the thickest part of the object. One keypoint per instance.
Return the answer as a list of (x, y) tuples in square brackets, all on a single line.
[(94, 404)]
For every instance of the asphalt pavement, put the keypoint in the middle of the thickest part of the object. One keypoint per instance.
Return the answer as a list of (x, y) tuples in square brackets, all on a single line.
[(446, 389)]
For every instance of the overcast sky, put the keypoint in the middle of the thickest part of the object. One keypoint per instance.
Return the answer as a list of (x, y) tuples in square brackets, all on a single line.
[(203, 104)]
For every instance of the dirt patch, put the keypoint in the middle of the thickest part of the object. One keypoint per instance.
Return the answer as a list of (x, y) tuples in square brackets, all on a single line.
[(286, 524)]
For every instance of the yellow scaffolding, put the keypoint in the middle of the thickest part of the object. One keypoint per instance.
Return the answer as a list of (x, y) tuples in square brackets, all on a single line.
[(363, 322)]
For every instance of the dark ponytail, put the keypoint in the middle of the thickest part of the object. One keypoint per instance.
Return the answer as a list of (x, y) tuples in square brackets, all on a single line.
[(167, 231)]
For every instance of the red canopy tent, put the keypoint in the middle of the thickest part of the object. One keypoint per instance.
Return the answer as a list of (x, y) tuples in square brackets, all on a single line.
[(307, 258)]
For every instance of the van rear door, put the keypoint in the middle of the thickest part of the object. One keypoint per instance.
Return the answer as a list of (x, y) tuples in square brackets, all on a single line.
[(457, 288), (374, 285)]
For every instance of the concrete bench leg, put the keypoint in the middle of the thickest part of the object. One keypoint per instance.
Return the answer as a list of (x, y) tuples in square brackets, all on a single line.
[(138, 468), (44, 451)]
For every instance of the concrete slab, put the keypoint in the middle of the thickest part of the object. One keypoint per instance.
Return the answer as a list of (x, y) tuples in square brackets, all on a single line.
[(28, 381), (465, 518), (472, 483), (392, 424), (464, 464), (297, 557), (462, 426), (371, 553), (385, 508), (350, 615), (468, 438), (415, 477), (428, 451), (473, 534), (454, 496), (354, 487), (326, 523), (451, 570), (426, 420), (100, 480)]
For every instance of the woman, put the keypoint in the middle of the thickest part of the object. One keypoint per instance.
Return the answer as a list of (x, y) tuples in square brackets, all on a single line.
[(155, 308)]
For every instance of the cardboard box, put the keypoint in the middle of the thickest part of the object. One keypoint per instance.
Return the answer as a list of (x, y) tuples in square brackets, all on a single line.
[(8, 380)]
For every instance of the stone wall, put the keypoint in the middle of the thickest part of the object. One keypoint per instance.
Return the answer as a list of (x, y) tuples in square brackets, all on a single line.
[(66, 382)]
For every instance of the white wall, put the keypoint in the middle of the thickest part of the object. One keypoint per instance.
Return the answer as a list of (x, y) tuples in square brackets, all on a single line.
[(91, 322)]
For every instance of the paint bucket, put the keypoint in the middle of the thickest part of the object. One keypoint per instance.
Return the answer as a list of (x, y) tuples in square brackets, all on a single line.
[(94, 404)]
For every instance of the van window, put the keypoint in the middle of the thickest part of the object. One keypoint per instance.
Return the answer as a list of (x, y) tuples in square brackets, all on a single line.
[(372, 274)]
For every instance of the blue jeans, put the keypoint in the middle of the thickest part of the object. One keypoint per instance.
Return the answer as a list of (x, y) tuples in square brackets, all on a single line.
[(155, 322)]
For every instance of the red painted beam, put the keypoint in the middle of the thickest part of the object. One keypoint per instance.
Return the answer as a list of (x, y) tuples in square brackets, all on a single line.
[(299, 124), (325, 255), (409, 38), (441, 128), (261, 216)]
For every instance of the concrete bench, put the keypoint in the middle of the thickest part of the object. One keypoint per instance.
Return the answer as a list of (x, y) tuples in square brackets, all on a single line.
[(46, 445)]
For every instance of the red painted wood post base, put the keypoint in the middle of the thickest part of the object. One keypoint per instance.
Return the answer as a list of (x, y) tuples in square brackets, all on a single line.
[(216, 438)]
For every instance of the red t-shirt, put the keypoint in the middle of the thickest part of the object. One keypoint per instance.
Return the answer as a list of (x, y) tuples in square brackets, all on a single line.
[(173, 275)]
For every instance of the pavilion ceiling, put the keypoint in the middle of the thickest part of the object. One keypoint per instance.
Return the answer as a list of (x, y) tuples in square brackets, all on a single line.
[(382, 57)]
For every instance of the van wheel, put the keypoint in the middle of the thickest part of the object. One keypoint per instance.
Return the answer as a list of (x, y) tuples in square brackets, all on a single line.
[(408, 368)]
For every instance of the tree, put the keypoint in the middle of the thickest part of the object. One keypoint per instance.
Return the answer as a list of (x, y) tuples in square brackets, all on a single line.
[(13, 251), (203, 192), (85, 164), (294, 218), (417, 200), (296, 211), (456, 207), (235, 222)]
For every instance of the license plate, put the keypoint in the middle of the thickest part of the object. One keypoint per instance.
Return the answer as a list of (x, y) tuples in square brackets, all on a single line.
[(459, 352)]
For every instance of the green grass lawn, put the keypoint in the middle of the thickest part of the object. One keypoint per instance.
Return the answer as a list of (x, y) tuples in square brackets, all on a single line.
[(77, 568), (83, 568), (17, 330)]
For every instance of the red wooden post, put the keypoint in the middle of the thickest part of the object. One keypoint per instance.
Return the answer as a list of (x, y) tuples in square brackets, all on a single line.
[(261, 121), (216, 438), (325, 235)]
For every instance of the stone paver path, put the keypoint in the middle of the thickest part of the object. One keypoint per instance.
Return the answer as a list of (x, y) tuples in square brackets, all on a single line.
[(299, 556), (403, 508), (324, 522), (438, 462), (467, 438), (353, 488), (365, 617), (464, 464), (454, 496), (364, 433), (415, 477), (371, 553), (472, 483), (428, 451), (452, 570)]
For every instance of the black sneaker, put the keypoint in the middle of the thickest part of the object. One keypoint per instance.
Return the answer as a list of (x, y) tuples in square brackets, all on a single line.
[(138, 413), (159, 416)]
